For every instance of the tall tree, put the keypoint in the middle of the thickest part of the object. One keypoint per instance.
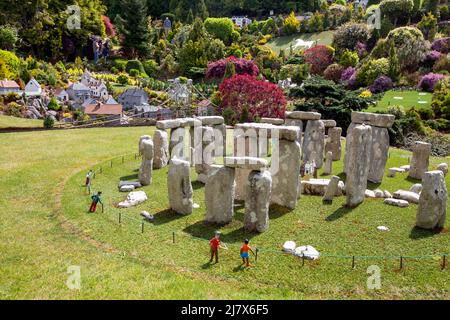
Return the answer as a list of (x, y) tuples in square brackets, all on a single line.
[(136, 33)]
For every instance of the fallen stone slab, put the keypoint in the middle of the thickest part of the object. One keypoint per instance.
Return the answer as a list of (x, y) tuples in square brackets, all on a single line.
[(302, 115), (133, 199), (373, 119), (407, 195), (274, 121), (289, 246), (307, 252), (135, 184), (393, 171), (168, 124), (318, 187), (329, 123), (126, 188), (406, 167), (396, 202), (147, 216), (379, 193), (387, 194), (369, 194), (250, 163), (417, 188), (211, 120)]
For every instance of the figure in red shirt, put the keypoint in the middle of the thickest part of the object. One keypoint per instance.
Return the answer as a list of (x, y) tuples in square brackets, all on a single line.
[(215, 245)]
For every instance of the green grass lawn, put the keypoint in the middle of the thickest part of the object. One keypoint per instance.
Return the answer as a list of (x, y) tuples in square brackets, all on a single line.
[(276, 44), (14, 122), (407, 99), (45, 229)]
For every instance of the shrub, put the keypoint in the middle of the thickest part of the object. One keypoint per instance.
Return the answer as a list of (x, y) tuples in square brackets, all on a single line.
[(395, 9), (12, 62), (134, 64), (333, 72), (151, 68), (260, 98), (348, 77), (349, 59), (296, 72), (49, 122), (319, 57), (220, 28), (123, 79), (431, 58), (349, 34), (442, 45), (109, 27), (428, 81), (134, 73), (443, 64), (381, 84), (290, 24), (53, 105), (216, 70), (371, 70), (8, 37), (120, 64)]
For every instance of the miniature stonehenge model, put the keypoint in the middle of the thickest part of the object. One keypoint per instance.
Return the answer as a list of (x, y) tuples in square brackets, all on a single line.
[(145, 171), (420, 160), (179, 187), (432, 209)]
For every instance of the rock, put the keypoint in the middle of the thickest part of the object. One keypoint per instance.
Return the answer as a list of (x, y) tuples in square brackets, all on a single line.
[(257, 201), (176, 145), (211, 121), (126, 188), (314, 142), (204, 154), (289, 247), (289, 133), (406, 167), (307, 252), (396, 202), (274, 121), (417, 188), (358, 165), (379, 154), (135, 184), (373, 119), (393, 171), (301, 115), (420, 160), (369, 194), (387, 194), (190, 122), (443, 167), (285, 170), (333, 143), (147, 216), (328, 167), (332, 189), (250, 163), (145, 171), (179, 187), (432, 209), (256, 130), (161, 149), (219, 196), (168, 124), (383, 228), (146, 137), (379, 194), (295, 123), (329, 123), (318, 187), (220, 140), (241, 181), (133, 199), (407, 195)]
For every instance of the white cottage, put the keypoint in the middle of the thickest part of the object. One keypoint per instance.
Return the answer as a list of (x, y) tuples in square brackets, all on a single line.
[(33, 89), (7, 86)]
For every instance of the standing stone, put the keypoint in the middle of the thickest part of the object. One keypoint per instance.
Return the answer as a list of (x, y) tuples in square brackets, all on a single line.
[(334, 143), (443, 167), (179, 187), (220, 140), (328, 167), (295, 123), (161, 149), (241, 176), (332, 189), (313, 143), (257, 201), (348, 145), (358, 166), (432, 209), (146, 137), (420, 160), (176, 146), (205, 153), (219, 195), (285, 170), (379, 155), (145, 171)]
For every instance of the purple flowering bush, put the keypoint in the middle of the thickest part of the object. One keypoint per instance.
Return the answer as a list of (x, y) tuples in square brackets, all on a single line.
[(348, 76), (428, 81), (442, 45), (381, 84), (217, 69)]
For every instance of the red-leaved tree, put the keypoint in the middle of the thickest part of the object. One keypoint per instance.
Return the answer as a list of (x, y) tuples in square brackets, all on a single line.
[(319, 57), (109, 27), (216, 69), (244, 96)]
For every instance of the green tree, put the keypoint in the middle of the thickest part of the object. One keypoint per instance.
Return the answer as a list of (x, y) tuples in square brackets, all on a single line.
[(394, 65), (136, 32), (8, 37)]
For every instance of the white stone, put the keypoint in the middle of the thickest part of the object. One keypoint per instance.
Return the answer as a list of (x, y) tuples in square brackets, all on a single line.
[(417, 188), (407, 195), (393, 171), (383, 228), (432, 209), (406, 168), (369, 194), (289, 246), (133, 199), (379, 194), (396, 202), (147, 216), (387, 194), (443, 167), (126, 188), (145, 171), (307, 252), (318, 187)]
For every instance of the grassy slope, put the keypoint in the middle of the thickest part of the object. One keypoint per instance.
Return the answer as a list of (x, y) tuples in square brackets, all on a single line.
[(14, 122), (37, 245), (325, 37), (410, 99)]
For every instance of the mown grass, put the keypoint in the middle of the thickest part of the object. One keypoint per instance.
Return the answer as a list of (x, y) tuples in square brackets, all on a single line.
[(15, 122), (279, 43), (410, 99), (333, 230)]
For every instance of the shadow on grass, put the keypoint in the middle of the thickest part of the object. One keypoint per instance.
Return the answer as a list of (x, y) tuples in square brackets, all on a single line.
[(130, 177), (206, 231), (339, 213), (197, 185), (412, 180), (166, 216), (419, 233), (276, 211)]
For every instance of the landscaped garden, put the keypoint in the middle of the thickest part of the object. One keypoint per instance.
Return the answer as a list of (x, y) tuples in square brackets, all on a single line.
[(406, 99)]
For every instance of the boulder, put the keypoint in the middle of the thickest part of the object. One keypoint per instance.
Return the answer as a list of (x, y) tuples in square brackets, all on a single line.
[(257, 201), (420, 160), (417, 188), (307, 252), (407, 195), (133, 199), (179, 187), (432, 209), (219, 196), (396, 202), (302, 115), (443, 167), (289, 247), (161, 149)]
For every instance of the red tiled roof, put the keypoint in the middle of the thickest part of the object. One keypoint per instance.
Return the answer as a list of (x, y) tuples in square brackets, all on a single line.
[(9, 84), (103, 109)]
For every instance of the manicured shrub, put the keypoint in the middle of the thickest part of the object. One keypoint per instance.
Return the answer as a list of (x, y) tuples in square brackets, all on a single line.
[(216, 70), (381, 84), (260, 98), (349, 34), (290, 24), (319, 57), (220, 28), (349, 59), (442, 45), (49, 122), (134, 73), (120, 64), (134, 64), (12, 62), (428, 81), (123, 79), (333, 72), (371, 70), (53, 105), (348, 77), (296, 72)]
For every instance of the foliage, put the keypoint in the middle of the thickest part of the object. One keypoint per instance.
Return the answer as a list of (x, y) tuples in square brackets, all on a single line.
[(371, 70), (11, 61), (53, 105), (442, 45), (333, 72), (49, 122), (8, 37), (382, 84), (428, 26), (394, 65), (396, 9), (220, 28), (348, 35), (291, 24), (216, 70), (429, 80), (349, 59), (134, 65), (136, 37), (260, 98), (319, 57), (151, 68), (296, 72), (123, 79), (348, 77), (109, 27)]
